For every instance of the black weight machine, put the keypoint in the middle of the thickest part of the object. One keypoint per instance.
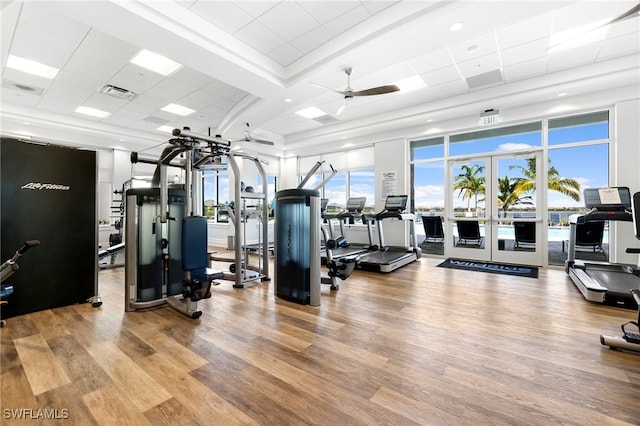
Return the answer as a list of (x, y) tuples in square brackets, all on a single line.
[(9, 268), (166, 240), (629, 340)]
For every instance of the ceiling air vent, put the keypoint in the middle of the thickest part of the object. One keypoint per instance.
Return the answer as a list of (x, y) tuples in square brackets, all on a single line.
[(117, 92), (326, 119)]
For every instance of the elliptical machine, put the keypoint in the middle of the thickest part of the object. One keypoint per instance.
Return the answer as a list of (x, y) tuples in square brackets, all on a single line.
[(9, 268), (629, 340)]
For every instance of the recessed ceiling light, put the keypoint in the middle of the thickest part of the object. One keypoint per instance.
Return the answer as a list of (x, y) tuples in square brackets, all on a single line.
[(288, 100), (562, 94), (156, 63), (311, 112), (410, 84), (166, 129), (93, 112), (455, 27), (473, 48), (178, 109), (31, 67)]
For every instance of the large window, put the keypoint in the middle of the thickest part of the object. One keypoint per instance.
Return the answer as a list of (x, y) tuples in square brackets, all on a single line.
[(216, 195), (509, 138), (579, 128), (362, 184)]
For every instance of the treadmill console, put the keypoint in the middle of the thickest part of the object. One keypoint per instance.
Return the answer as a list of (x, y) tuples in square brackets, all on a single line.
[(608, 204), (396, 203), (356, 205), (324, 202)]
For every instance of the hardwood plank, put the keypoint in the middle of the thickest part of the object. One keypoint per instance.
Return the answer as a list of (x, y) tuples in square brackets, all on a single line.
[(136, 385), (182, 357), (15, 393), (41, 367), (111, 406), (203, 405), (49, 325)]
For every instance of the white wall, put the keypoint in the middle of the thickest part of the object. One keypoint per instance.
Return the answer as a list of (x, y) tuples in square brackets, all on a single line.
[(391, 158), (626, 172)]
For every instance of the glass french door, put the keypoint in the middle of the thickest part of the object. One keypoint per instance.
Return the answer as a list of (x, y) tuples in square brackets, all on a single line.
[(494, 209)]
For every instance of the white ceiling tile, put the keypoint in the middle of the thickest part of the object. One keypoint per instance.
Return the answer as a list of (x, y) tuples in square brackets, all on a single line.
[(524, 70), (288, 20), (191, 77), (285, 54), (572, 58), (33, 43), (223, 14), (46, 19), (620, 46), (62, 89), (432, 61), (525, 52), (20, 98), (259, 37), (452, 88), (480, 65), (105, 102), (441, 76), (58, 106), (376, 6), (223, 90), (136, 79), (474, 47), (256, 8), (311, 40), (325, 11), (26, 78), (347, 21), (396, 72), (581, 13), (525, 31)]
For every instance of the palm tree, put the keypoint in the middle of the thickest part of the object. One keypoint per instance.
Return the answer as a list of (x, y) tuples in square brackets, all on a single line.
[(470, 184), (511, 194), (568, 187)]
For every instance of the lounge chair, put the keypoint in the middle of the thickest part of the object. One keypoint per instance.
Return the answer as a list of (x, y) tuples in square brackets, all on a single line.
[(589, 235), (433, 231), (525, 234), (468, 233)]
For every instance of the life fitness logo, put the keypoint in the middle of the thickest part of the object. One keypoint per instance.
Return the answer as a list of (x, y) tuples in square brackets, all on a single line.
[(37, 186)]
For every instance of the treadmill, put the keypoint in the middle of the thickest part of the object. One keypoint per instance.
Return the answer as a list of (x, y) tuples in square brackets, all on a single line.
[(353, 212), (390, 258), (603, 282)]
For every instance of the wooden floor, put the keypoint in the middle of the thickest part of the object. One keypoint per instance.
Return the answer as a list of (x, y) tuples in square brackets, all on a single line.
[(422, 345)]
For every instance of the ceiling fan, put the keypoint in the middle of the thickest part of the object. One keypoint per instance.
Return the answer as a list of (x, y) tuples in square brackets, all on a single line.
[(349, 93), (249, 138)]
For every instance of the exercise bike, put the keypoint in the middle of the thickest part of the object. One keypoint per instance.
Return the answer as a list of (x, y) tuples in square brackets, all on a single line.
[(10, 267)]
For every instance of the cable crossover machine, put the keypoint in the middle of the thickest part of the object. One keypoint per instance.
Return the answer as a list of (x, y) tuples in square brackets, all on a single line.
[(167, 257)]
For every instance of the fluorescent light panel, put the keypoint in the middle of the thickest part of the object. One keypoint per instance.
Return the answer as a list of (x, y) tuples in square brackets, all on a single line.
[(410, 84), (178, 110), (166, 129), (92, 112), (156, 63), (32, 67), (311, 112)]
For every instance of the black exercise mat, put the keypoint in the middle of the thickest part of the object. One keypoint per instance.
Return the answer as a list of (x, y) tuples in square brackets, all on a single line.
[(495, 268)]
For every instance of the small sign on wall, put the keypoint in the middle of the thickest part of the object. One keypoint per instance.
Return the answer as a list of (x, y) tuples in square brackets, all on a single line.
[(389, 184)]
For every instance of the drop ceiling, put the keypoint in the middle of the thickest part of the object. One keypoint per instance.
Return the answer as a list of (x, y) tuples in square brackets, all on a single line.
[(253, 62)]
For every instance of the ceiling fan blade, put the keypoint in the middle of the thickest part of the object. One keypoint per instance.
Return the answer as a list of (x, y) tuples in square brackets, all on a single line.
[(340, 92), (344, 105), (376, 90), (628, 14)]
